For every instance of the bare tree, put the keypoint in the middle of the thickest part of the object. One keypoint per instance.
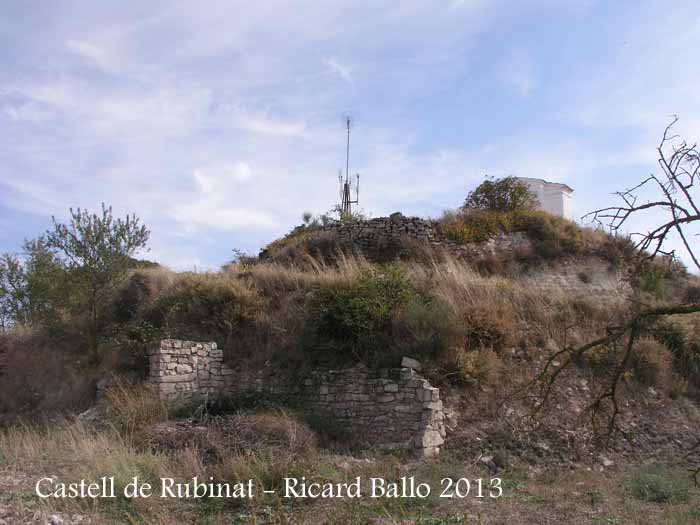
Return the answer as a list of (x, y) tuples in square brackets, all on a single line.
[(677, 202), (677, 192)]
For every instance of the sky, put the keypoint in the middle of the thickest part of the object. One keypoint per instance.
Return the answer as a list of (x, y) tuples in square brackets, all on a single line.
[(220, 122)]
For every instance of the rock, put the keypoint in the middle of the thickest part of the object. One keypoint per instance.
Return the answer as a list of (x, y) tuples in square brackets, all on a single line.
[(55, 520), (408, 362), (488, 461), (432, 438), (606, 462)]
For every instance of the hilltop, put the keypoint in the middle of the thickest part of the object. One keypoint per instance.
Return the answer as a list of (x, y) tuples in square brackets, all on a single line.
[(479, 300)]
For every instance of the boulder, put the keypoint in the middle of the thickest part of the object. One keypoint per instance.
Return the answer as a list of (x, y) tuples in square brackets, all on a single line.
[(408, 362)]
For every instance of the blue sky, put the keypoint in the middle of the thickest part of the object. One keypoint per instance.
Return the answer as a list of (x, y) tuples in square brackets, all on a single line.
[(220, 122)]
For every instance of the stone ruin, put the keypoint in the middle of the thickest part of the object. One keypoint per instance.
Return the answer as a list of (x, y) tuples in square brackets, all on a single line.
[(390, 408)]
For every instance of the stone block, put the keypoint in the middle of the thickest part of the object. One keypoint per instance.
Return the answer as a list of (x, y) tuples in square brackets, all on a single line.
[(408, 362), (431, 438)]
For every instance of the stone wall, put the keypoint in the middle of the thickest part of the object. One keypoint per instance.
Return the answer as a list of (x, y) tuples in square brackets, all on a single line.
[(382, 232), (586, 276), (391, 408), (378, 233)]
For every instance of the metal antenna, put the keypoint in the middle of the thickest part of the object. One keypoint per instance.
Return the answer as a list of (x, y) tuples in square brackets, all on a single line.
[(345, 185), (347, 151)]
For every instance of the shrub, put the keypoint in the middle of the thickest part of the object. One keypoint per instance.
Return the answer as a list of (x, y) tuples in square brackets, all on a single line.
[(475, 225), (479, 366), (43, 375), (651, 362), (205, 307), (651, 279), (681, 340), (427, 328), (138, 289), (490, 265), (661, 486), (489, 326), (352, 321), (601, 359), (692, 294), (505, 195), (551, 236)]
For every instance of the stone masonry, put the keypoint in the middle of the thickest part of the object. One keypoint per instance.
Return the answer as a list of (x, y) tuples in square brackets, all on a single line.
[(391, 408), (586, 276)]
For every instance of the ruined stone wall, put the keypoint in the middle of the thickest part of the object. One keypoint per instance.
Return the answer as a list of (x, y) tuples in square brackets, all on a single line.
[(391, 408), (587, 276), (382, 232)]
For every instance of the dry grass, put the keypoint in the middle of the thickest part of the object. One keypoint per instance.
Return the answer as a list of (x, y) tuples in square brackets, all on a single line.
[(270, 446), (135, 407), (480, 367), (652, 363)]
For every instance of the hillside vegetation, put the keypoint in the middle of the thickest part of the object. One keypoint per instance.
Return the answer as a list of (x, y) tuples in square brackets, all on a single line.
[(482, 331)]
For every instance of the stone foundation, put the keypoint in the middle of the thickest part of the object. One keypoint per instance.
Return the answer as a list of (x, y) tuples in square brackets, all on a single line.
[(391, 408)]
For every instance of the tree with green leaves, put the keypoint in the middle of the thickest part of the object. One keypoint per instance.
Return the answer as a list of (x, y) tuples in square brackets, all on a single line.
[(32, 287), (96, 250), (508, 194), (13, 292)]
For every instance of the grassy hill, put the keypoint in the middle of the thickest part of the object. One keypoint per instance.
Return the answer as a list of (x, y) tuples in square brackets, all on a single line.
[(483, 326)]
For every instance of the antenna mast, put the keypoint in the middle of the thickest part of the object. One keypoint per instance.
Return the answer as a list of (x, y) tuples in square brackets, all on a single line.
[(345, 185)]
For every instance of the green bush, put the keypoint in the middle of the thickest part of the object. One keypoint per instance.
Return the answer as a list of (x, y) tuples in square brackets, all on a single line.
[(205, 307), (353, 322), (682, 342), (504, 195), (661, 486), (427, 328), (551, 236), (652, 279)]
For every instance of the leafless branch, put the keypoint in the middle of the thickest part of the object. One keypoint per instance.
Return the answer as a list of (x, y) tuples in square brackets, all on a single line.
[(680, 165)]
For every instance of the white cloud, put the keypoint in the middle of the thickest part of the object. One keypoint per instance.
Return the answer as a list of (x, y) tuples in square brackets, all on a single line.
[(213, 179), (341, 69), (212, 122), (216, 203)]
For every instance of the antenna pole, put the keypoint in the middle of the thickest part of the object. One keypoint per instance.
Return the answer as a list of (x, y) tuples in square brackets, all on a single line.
[(347, 151), (346, 201)]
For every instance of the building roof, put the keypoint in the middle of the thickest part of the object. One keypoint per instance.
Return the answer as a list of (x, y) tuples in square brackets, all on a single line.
[(561, 186)]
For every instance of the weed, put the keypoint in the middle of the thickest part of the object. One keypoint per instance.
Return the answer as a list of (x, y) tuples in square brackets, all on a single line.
[(658, 485)]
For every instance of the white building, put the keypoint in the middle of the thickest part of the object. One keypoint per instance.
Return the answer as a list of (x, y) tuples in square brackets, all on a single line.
[(554, 197)]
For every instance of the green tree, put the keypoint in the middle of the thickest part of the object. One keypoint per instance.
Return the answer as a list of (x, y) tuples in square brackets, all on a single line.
[(97, 250), (45, 281), (13, 292), (506, 195), (32, 288)]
